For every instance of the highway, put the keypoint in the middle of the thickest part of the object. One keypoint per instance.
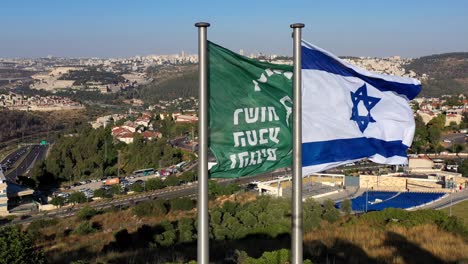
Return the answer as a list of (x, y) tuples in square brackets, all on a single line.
[(37, 152), (13, 157)]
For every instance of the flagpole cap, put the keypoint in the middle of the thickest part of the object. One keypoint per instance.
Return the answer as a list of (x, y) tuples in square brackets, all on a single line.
[(297, 25), (202, 24)]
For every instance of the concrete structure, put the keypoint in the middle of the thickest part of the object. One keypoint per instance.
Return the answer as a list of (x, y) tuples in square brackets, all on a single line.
[(420, 163), (3, 194), (402, 183)]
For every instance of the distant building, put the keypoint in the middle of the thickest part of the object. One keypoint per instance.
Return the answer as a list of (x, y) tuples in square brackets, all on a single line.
[(3, 194), (456, 118), (179, 118)]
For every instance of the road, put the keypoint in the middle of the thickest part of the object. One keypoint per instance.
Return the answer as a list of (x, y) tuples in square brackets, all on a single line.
[(13, 157), (455, 138), (188, 190), (37, 152)]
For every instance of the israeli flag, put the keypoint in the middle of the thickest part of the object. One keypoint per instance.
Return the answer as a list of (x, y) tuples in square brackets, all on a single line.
[(349, 113)]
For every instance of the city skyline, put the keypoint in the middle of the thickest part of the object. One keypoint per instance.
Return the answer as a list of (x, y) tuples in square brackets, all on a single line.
[(119, 29)]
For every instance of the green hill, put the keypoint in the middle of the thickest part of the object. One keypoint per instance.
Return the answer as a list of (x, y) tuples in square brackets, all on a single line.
[(448, 73), (171, 85)]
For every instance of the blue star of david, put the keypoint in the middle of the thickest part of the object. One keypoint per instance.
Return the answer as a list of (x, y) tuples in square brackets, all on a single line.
[(368, 101)]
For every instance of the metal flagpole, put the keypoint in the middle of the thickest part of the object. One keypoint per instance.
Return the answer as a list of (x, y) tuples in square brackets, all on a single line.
[(203, 234), (296, 234)]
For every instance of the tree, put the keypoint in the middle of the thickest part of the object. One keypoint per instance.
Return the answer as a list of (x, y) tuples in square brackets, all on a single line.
[(16, 247), (453, 125), (168, 237), (463, 169), (116, 189), (186, 230), (77, 197), (312, 211), (58, 201), (464, 122), (330, 213), (154, 184), (458, 148), (346, 206), (102, 193), (420, 141), (188, 176)]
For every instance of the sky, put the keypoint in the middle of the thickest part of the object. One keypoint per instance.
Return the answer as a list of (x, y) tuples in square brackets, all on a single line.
[(115, 28)]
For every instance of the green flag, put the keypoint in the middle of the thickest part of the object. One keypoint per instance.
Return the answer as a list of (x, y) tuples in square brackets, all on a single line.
[(250, 113)]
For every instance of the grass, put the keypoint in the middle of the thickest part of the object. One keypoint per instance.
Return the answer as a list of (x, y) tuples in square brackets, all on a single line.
[(361, 243), (459, 210)]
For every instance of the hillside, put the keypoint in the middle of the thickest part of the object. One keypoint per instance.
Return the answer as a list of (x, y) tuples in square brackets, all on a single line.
[(448, 73), (170, 84)]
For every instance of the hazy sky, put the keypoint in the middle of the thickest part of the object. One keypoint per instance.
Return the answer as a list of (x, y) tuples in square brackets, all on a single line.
[(113, 28)]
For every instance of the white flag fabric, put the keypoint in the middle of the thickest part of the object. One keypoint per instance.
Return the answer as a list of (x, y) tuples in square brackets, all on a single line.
[(349, 113)]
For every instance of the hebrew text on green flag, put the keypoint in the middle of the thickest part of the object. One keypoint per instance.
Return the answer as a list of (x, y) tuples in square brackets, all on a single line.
[(250, 113)]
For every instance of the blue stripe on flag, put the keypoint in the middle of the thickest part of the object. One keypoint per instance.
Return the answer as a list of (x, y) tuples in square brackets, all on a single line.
[(316, 60), (314, 153)]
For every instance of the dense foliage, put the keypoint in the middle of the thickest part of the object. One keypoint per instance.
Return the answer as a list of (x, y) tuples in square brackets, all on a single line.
[(81, 77), (183, 86), (15, 124), (92, 153), (427, 137), (17, 247), (275, 257)]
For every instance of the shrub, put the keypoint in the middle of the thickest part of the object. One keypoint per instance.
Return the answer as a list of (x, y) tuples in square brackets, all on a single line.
[(346, 207), (453, 225), (35, 226), (182, 204), (172, 181), (150, 208), (215, 189), (86, 213), (84, 229), (330, 213), (154, 184), (137, 187)]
